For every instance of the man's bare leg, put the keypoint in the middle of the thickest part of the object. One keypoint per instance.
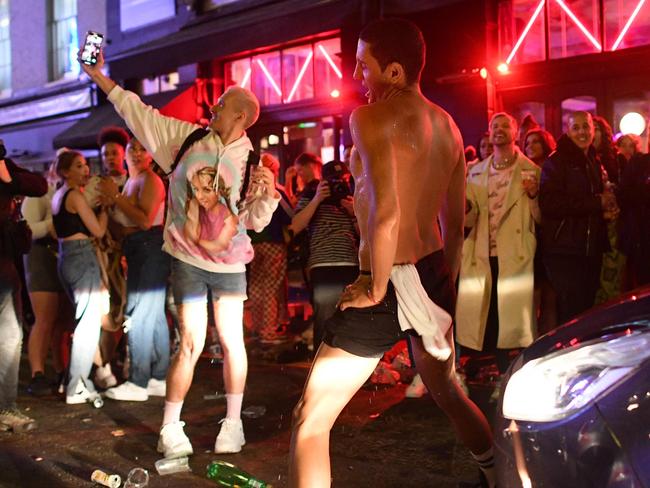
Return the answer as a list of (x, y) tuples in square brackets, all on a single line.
[(470, 423), (334, 378), (229, 314), (193, 323)]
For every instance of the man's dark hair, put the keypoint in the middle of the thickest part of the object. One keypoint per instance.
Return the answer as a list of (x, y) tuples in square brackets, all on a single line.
[(113, 134), (308, 158), (396, 41)]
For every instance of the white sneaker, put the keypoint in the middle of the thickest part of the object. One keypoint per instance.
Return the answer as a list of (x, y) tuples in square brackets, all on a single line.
[(173, 443), (104, 377), (156, 387), (231, 437), (127, 391), (416, 389), (82, 395)]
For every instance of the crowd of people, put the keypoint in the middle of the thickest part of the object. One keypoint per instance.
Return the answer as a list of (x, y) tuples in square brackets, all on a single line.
[(550, 229)]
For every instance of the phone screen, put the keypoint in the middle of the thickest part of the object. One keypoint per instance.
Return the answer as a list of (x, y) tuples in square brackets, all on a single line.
[(92, 45)]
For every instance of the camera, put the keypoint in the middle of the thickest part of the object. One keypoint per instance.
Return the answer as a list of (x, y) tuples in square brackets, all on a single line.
[(337, 175)]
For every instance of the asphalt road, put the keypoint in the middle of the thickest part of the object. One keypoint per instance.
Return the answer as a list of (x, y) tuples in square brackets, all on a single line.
[(380, 440)]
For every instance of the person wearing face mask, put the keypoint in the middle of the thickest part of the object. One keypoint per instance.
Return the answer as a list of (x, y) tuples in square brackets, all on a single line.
[(139, 211), (574, 204)]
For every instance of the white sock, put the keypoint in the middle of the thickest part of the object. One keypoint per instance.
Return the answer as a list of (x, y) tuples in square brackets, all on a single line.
[(233, 405), (172, 412), (486, 465)]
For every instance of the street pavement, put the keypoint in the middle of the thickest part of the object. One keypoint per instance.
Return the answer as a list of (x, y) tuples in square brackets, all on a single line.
[(380, 440)]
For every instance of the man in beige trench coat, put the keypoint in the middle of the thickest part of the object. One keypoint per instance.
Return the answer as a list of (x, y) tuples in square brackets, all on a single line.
[(494, 311)]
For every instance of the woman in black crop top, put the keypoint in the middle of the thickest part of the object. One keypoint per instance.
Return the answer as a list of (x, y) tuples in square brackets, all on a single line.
[(75, 222)]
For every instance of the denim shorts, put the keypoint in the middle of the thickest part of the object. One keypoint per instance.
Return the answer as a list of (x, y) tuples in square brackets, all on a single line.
[(191, 284)]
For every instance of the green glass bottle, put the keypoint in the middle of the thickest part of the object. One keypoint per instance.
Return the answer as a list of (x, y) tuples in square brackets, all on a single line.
[(226, 474)]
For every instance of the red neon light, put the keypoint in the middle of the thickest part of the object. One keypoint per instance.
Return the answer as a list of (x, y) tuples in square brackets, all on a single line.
[(525, 31), (246, 77), (331, 62), (577, 22), (269, 77), (300, 75), (627, 25)]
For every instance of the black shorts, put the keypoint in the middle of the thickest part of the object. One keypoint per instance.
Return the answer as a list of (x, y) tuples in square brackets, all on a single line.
[(370, 332)]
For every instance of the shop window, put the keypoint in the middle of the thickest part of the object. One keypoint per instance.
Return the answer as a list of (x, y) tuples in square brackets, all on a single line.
[(238, 73), (327, 68), (574, 28), (5, 50), (266, 79), (290, 75), (569, 105), (521, 31), (64, 41), (297, 73), (627, 23)]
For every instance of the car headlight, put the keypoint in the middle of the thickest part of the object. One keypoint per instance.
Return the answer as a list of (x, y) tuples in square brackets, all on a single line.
[(555, 386)]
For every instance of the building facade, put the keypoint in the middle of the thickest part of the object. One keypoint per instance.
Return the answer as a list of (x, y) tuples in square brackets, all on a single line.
[(544, 57)]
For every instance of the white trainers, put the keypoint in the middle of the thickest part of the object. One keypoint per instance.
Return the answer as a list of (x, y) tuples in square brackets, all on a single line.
[(127, 391), (231, 437), (416, 389), (173, 443), (82, 395), (156, 387), (104, 377)]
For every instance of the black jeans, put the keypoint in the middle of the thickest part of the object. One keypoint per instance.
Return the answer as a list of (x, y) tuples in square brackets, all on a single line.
[(491, 338), (575, 280)]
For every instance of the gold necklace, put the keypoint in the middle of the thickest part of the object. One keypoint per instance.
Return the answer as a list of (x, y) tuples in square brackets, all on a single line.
[(505, 163)]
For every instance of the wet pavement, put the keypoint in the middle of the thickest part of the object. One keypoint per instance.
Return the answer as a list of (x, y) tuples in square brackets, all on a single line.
[(381, 439)]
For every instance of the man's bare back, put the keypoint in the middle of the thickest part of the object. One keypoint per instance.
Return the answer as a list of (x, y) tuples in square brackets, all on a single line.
[(418, 143)]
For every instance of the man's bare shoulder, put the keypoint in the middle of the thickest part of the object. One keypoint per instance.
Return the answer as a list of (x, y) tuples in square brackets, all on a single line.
[(372, 116)]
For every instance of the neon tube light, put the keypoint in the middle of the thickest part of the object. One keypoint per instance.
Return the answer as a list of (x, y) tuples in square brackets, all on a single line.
[(246, 77), (269, 77), (627, 25), (577, 22), (300, 75), (525, 32), (331, 62)]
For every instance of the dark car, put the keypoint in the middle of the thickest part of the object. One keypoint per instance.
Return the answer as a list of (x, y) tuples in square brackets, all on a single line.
[(575, 407)]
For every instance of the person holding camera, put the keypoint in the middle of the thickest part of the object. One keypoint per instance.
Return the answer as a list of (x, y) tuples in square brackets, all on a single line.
[(325, 209), (14, 241)]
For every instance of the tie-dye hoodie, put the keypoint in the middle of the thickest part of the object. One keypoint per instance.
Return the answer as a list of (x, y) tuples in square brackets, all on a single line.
[(163, 136)]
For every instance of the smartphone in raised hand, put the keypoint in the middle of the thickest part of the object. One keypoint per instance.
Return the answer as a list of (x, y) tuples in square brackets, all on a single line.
[(92, 45)]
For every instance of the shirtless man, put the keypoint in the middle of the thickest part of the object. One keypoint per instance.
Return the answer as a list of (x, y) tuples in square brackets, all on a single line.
[(409, 171)]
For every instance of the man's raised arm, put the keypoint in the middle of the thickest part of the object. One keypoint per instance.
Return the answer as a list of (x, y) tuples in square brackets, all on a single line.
[(378, 163), (159, 134)]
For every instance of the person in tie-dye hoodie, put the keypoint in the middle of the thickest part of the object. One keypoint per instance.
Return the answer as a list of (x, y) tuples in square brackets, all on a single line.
[(197, 269)]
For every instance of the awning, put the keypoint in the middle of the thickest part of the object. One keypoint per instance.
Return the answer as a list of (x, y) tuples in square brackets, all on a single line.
[(218, 36), (83, 134)]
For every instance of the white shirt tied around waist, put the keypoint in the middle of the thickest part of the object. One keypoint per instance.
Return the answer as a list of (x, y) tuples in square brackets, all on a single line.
[(415, 310)]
